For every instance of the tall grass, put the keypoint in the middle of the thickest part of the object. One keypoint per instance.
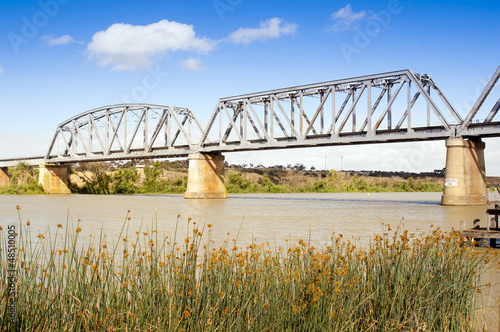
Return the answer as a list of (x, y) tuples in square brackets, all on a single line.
[(148, 282)]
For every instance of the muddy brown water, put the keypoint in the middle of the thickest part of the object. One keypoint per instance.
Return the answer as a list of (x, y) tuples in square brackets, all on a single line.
[(272, 218)]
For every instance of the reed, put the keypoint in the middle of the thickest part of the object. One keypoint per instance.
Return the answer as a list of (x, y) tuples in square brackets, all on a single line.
[(148, 282)]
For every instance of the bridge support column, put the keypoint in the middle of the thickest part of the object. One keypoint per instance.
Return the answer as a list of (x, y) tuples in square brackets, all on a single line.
[(4, 176), (206, 176), (465, 176), (54, 179)]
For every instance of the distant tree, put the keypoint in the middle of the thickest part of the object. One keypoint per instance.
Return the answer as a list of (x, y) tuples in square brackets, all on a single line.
[(313, 168), (299, 167)]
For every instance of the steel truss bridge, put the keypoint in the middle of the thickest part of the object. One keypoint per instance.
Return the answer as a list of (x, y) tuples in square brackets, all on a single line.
[(397, 106)]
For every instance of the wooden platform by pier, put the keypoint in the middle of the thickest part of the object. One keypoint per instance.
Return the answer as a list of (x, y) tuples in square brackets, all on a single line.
[(479, 234), (491, 232)]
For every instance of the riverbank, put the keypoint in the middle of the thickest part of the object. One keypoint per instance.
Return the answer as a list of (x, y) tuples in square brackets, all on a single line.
[(171, 178), (23, 181), (160, 178), (144, 280)]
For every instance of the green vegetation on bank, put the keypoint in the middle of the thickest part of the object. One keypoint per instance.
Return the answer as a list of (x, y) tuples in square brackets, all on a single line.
[(23, 181), (95, 180), (335, 182), (171, 178), (146, 281)]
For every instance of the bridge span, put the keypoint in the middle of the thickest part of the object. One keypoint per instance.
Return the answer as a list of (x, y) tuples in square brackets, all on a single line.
[(400, 106)]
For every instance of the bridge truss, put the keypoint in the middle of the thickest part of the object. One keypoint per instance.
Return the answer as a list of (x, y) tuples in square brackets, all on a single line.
[(391, 107), (127, 131)]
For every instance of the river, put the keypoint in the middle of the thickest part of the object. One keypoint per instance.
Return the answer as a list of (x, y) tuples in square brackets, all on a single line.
[(265, 217)]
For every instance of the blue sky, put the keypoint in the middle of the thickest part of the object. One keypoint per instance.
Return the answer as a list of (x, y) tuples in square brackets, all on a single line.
[(59, 58)]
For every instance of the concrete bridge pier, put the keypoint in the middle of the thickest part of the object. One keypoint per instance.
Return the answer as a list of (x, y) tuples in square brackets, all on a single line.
[(54, 179), (465, 176), (4, 176), (206, 176)]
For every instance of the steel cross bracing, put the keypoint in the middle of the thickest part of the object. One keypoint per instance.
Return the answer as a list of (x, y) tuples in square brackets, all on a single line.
[(391, 107), (127, 131)]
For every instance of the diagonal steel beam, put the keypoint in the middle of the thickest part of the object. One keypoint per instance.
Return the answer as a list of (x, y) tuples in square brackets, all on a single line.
[(205, 132), (249, 117), (115, 132), (276, 116), (374, 107), (481, 99), (349, 95), (493, 112), (97, 133), (181, 127), (157, 130), (47, 156), (82, 141), (441, 95), (353, 105), (318, 111), (257, 119), (178, 132), (232, 124), (292, 127), (332, 127), (405, 114), (68, 147), (136, 130), (389, 104), (429, 100)]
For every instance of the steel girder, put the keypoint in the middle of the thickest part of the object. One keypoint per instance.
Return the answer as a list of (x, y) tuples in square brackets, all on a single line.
[(15, 161), (126, 131), (351, 111)]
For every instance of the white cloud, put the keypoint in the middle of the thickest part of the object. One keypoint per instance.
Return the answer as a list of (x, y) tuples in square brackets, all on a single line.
[(63, 40), (125, 46), (269, 29), (346, 19), (191, 64)]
